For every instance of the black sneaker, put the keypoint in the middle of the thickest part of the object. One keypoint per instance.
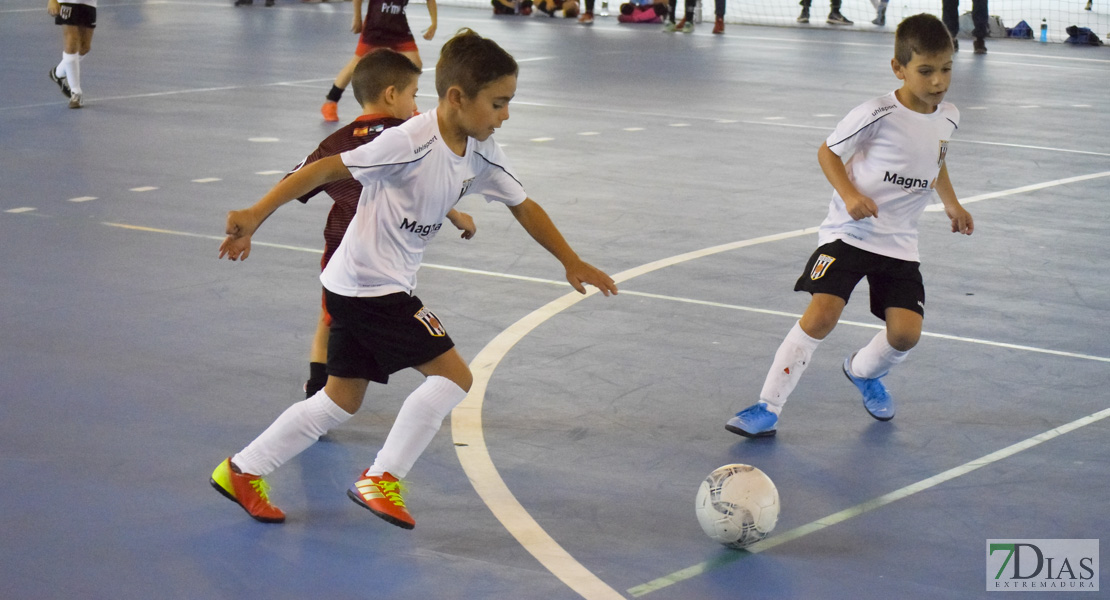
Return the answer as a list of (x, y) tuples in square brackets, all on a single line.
[(243, 2), (804, 17), (63, 84), (835, 18), (955, 45), (980, 46)]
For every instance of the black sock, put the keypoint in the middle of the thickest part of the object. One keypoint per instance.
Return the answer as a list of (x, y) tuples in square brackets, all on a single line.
[(334, 95), (317, 378)]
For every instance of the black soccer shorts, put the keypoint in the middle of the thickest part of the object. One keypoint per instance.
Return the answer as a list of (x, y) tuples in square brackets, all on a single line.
[(837, 267), (80, 15), (372, 338)]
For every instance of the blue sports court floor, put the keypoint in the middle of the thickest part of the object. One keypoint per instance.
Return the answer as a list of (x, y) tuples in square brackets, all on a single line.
[(132, 360)]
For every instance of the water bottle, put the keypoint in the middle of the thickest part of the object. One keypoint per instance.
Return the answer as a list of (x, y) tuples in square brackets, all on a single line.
[(1044, 30), (604, 8)]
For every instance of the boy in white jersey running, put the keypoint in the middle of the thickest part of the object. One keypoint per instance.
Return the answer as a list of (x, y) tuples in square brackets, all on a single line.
[(412, 176), (885, 160)]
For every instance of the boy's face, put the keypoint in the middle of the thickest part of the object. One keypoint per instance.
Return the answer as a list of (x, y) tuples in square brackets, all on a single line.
[(405, 105), (925, 80), (481, 115)]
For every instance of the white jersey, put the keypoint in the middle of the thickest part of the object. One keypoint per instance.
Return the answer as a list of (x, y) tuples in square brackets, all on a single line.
[(893, 156), (411, 180)]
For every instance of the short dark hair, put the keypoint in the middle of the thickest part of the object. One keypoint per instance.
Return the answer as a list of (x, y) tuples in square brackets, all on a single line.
[(378, 70), (920, 34), (471, 62)]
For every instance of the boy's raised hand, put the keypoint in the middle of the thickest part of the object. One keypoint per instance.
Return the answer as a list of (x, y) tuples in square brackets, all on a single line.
[(580, 272)]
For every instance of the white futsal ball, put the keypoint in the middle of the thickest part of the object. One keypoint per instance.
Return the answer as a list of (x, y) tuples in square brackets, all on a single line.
[(737, 505)]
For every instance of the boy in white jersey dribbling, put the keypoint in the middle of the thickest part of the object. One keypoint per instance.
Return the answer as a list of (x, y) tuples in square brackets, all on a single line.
[(885, 160), (412, 176)]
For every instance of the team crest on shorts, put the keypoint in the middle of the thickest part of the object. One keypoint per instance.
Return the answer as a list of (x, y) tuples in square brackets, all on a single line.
[(821, 266), (943, 152), (431, 322)]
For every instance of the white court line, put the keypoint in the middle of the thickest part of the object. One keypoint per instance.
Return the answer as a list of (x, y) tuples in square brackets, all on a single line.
[(869, 505), (1021, 190), (675, 260), (473, 453), (470, 445)]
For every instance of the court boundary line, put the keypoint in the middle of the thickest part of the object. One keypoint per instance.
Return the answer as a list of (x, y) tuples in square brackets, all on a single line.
[(468, 435), (553, 282)]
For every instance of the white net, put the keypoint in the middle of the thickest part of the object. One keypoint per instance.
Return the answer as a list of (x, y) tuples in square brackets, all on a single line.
[(1058, 15)]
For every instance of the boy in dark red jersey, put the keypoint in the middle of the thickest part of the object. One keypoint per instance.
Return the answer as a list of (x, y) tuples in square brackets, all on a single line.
[(385, 26), (385, 85)]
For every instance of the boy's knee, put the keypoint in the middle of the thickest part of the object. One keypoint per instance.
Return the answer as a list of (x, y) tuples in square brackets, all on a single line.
[(464, 379), (902, 340)]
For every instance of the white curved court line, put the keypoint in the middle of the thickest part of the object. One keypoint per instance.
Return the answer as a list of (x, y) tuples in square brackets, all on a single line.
[(470, 442), (1021, 190)]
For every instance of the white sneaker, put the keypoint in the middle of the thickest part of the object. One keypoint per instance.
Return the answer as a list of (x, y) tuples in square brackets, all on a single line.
[(75, 100)]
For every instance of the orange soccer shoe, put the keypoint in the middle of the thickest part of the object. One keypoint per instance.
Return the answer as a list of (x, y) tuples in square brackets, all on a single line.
[(330, 111), (246, 490), (382, 496)]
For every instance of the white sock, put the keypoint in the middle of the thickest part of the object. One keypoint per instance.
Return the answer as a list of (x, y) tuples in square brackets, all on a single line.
[(71, 67), (290, 434), (876, 358), (790, 361), (420, 418)]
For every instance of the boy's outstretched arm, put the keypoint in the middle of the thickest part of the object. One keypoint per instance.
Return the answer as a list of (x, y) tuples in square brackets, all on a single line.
[(241, 224), (857, 205), (535, 221), (961, 219)]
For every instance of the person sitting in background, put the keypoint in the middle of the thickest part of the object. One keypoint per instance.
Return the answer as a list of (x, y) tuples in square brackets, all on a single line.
[(642, 12), (512, 7), (550, 7)]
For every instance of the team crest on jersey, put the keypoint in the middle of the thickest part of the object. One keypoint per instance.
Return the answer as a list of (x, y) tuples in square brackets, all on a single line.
[(466, 187), (943, 152), (431, 322), (821, 266), (367, 130)]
